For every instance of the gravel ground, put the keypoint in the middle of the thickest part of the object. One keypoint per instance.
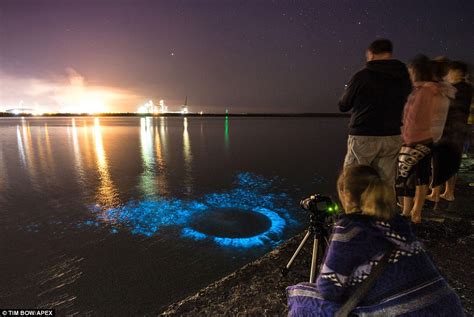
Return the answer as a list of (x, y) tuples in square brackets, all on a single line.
[(259, 289)]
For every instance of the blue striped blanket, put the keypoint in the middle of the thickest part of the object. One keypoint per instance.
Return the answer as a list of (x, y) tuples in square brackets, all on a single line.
[(410, 286)]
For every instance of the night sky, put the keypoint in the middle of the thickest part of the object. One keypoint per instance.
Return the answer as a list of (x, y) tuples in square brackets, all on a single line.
[(248, 56)]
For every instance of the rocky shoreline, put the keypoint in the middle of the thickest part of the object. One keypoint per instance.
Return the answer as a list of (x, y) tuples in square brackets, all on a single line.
[(259, 288)]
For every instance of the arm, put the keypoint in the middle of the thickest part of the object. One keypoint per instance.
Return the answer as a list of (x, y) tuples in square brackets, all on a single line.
[(353, 89)]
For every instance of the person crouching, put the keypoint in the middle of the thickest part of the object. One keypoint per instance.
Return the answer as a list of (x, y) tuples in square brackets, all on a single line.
[(369, 232)]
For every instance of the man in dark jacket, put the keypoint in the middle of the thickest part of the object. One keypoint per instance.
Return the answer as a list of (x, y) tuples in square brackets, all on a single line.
[(376, 95)]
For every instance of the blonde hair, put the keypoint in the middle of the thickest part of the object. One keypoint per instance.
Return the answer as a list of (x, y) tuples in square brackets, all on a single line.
[(362, 190)]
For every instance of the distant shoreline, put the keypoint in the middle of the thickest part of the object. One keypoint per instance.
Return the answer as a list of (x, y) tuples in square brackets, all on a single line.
[(128, 114)]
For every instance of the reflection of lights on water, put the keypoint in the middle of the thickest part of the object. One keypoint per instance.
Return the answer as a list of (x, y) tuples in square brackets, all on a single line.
[(186, 143), (159, 154), (47, 142), (107, 194), (21, 150), (28, 145), (226, 131), (251, 193), (41, 152), (163, 131), (88, 157), (147, 185), (63, 271), (77, 152), (153, 178), (188, 181), (146, 141), (160, 164)]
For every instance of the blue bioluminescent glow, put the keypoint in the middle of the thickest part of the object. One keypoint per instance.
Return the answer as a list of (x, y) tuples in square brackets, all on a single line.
[(147, 217), (251, 193), (269, 236)]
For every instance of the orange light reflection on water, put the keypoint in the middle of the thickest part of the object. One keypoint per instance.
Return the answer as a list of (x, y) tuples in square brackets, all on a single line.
[(147, 184), (21, 149), (28, 145), (188, 158), (49, 153), (107, 195), (161, 164), (77, 154)]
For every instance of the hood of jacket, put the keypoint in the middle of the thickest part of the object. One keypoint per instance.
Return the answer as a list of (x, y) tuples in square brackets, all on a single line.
[(388, 67)]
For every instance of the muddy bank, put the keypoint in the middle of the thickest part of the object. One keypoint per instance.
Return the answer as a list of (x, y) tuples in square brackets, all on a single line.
[(259, 289)]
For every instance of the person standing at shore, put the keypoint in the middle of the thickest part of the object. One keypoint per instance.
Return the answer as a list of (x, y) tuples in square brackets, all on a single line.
[(376, 96), (423, 123), (456, 128), (470, 125)]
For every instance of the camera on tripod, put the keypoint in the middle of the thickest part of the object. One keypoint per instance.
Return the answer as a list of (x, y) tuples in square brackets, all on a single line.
[(321, 206), (322, 211)]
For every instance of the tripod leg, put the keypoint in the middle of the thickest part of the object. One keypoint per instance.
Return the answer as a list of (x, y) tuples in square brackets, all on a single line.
[(314, 259), (287, 267)]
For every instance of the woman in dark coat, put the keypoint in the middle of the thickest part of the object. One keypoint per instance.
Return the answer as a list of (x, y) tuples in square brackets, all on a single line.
[(456, 128)]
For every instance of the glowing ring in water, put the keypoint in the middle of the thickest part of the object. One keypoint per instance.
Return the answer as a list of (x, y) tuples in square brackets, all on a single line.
[(276, 229)]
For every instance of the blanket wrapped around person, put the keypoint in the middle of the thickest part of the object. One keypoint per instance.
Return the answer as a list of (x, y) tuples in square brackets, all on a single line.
[(371, 232), (409, 286)]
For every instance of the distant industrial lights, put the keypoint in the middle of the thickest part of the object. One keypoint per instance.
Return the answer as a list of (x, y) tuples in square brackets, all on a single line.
[(23, 111), (150, 108)]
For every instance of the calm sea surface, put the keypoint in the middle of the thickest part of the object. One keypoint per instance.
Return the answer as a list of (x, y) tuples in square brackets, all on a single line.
[(113, 216)]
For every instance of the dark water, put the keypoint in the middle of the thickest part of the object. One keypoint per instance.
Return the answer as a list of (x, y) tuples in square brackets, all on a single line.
[(111, 216)]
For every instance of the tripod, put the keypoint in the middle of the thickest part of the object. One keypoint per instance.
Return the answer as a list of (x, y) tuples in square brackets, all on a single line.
[(320, 240)]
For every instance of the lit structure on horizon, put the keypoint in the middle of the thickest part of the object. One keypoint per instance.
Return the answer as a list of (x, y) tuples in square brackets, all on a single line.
[(17, 111), (150, 108), (22, 109), (184, 108), (163, 107)]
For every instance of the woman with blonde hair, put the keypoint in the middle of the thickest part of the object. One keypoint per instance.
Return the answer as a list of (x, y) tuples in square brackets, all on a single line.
[(371, 232)]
